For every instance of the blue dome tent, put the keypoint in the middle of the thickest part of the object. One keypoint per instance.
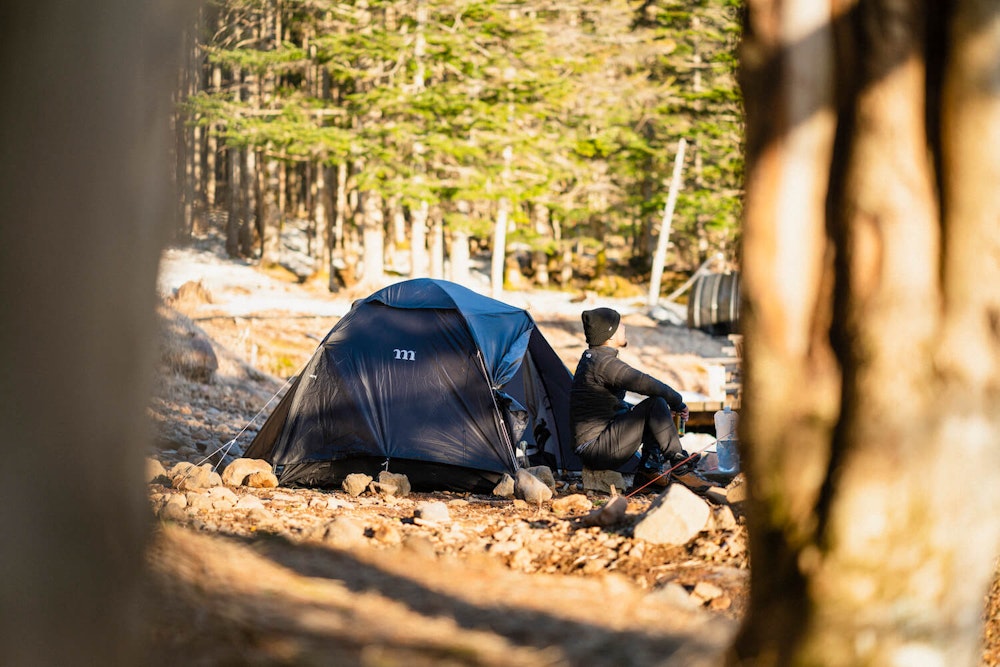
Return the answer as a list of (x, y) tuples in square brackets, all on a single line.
[(425, 378)]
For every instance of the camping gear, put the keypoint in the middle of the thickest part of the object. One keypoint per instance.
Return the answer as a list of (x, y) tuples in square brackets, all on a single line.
[(714, 303), (726, 421), (425, 378)]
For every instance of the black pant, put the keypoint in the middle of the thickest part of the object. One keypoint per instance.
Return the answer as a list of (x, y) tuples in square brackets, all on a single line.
[(649, 422)]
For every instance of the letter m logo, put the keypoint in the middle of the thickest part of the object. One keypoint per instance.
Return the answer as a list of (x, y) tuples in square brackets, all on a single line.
[(405, 355)]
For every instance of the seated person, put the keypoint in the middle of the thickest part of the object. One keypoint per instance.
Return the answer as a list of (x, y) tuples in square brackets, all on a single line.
[(607, 430)]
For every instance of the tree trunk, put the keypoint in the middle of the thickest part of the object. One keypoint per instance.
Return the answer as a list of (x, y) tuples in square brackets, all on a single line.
[(660, 256), (499, 256), (541, 256), (418, 241), (270, 215), (233, 191), (459, 257), (248, 208), (437, 245), (373, 238), (81, 249), (317, 201), (212, 148), (337, 265), (870, 356)]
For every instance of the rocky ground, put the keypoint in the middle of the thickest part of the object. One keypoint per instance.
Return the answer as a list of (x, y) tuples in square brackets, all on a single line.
[(275, 576)]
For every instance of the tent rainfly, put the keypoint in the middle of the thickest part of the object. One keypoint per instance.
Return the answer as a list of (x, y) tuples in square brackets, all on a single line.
[(425, 378)]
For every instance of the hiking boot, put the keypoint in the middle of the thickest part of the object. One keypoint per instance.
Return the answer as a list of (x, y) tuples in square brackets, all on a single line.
[(692, 480), (650, 480), (682, 463)]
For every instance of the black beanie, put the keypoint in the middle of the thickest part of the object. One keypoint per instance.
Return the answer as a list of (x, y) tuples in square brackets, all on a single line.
[(599, 325)]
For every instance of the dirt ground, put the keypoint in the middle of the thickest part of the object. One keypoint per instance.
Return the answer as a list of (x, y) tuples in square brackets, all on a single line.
[(309, 577)]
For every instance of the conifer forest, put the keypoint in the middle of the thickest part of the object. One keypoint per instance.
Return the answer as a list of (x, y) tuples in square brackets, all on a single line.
[(410, 137)]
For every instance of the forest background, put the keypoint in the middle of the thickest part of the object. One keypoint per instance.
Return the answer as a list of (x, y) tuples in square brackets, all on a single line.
[(413, 135)]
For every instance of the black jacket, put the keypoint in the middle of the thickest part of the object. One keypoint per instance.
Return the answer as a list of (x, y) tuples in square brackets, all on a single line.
[(598, 393)]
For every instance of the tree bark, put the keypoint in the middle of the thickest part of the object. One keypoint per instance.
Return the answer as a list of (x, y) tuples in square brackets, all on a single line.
[(270, 214), (499, 256), (373, 238), (418, 240), (234, 210), (459, 257), (541, 257), (869, 348), (437, 244), (80, 250)]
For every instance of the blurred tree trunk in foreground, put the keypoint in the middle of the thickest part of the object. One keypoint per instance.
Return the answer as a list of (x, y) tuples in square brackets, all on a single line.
[(78, 260), (872, 321)]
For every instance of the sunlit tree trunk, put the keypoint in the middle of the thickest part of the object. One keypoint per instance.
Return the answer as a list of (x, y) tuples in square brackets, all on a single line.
[(317, 202), (373, 237), (540, 257), (871, 279), (458, 255), (335, 266), (418, 241), (437, 245), (270, 213)]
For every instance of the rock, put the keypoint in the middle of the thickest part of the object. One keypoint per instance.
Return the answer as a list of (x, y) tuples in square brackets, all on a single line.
[(221, 497), (737, 493), (191, 355), (236, 473), (262, 480), (198, 502), (721, 603), (249, 503), (336, 504), (674, 517), (603, 480), (344, 532), (611, 514), (705, 591), (434, 512), (544, 473), (420, 545), (186, 476), (355, 484), (595, 565), (154, 470), (505, 487), (392, 484), (574, 503), (387, 534), (676, 596), (173, 509), (191, 293), (521, 559), (530, 488), (724, 518), (261, 516)]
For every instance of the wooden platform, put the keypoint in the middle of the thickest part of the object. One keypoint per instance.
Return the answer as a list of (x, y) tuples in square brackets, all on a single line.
[(703, 412)]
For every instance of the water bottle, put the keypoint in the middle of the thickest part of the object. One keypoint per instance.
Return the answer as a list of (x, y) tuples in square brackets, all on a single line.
[(726, 440)]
